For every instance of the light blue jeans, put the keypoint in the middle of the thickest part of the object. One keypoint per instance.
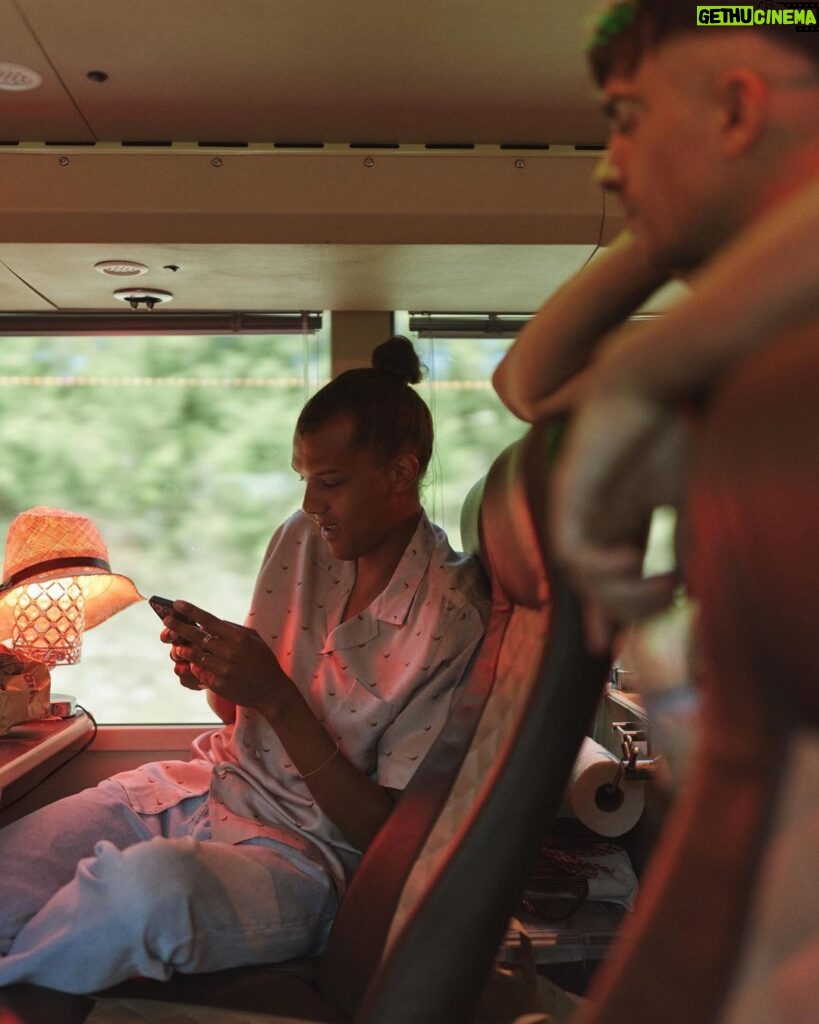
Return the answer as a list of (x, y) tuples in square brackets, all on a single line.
[(92, 893)]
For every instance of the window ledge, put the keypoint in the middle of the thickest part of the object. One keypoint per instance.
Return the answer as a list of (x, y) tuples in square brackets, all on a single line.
[(149, 737)]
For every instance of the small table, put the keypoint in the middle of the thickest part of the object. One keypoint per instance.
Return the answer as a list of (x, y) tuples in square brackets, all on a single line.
[(32, 750)]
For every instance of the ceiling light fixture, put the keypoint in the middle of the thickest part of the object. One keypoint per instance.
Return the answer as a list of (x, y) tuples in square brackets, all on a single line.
[(148, 297)]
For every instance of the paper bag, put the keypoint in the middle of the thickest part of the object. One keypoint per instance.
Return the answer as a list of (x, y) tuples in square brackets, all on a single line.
[(25, 689)]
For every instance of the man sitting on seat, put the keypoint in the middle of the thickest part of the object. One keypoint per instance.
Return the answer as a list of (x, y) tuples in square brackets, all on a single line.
[(361, 628)]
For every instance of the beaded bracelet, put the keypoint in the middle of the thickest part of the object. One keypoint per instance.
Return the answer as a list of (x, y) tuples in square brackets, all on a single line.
[(321, 767)]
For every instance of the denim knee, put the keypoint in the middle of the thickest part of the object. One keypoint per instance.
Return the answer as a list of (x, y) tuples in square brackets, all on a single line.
[(150, 893)]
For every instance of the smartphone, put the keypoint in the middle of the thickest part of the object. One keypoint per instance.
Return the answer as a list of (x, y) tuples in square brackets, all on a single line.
[(164, 606)]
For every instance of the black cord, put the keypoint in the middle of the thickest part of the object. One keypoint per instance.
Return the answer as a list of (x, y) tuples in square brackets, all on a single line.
[(93, 736)]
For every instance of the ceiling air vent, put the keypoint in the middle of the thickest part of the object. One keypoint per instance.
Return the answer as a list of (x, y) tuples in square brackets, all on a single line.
[(121, 268), (16, 78)]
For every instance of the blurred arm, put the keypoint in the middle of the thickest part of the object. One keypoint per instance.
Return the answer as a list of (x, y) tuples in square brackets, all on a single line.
[(626, 449), (759, 285), (539, 372)]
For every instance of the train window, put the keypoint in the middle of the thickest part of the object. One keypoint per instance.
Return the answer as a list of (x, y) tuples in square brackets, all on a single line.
[(471, 423), (178, 447)]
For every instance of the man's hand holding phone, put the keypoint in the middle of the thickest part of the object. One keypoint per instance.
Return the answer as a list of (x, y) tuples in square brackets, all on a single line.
[(185, 635), (231, 661), (164, 606)]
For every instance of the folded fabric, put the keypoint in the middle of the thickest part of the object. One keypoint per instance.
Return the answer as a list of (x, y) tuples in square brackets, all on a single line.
[(25, 689), (577, 863)]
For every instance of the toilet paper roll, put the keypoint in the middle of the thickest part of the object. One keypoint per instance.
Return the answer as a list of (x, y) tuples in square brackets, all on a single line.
[(594, 800)]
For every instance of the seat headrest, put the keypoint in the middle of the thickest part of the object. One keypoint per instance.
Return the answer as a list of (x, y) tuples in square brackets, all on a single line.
[(503, 518), (471, 519)]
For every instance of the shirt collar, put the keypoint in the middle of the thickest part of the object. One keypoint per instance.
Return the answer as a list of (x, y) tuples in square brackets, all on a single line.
[(394, 602)]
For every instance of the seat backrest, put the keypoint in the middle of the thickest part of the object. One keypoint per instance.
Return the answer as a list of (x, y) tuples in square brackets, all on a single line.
[(419, 927)]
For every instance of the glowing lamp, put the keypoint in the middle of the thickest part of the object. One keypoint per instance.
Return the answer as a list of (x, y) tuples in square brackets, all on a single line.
[(49, 619), (57, 582)]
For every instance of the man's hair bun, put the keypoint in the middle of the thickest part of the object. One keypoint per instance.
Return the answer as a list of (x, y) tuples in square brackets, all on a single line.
[(388, 416), (397, 356)]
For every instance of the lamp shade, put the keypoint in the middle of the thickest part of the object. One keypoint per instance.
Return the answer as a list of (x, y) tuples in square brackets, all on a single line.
[(46, 544)]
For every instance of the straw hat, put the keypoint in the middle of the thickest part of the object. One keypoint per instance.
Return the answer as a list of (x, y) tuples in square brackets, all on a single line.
[(50, 543)]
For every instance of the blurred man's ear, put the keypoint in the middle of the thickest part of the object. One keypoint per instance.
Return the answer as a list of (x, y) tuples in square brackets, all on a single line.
[(744, 98)]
